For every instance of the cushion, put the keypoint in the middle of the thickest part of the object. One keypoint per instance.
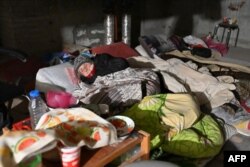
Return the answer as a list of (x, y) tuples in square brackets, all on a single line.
[(152, 125), (161, 114), (204, 139), (155, 44), (118, 49), (166, 114)]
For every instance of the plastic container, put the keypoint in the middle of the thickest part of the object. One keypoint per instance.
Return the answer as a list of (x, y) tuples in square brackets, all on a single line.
[(37, 107), (60, 99)]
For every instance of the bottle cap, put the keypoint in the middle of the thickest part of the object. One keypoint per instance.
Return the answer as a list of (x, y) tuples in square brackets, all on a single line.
[(34, 93)]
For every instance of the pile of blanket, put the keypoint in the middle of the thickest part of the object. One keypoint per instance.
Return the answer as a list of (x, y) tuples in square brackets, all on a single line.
[(191, 103)]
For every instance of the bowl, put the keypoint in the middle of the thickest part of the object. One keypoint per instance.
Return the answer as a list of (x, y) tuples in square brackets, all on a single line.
[(124, 125)]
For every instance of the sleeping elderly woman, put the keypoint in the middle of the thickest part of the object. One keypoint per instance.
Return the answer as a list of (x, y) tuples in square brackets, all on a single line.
[(87, 69), (109, 80), (102, 79)]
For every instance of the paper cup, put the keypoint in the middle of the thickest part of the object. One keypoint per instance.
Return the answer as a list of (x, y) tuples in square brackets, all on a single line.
[(70, 156)]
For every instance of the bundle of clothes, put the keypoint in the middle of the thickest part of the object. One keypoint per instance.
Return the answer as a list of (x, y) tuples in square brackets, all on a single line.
[(203, 47)]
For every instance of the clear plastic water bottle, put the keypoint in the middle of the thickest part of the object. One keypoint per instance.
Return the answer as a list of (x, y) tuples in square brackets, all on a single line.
[(37, 107)]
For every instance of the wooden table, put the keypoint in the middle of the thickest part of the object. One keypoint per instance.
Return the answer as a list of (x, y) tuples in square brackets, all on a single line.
[(103, 156)]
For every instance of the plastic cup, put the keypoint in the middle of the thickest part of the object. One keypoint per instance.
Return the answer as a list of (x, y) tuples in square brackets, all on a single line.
[(70, 156)]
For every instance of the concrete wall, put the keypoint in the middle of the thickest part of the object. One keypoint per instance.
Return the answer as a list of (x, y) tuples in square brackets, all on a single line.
[(38, 27), (41, 26), (29, 25), (195, 17)]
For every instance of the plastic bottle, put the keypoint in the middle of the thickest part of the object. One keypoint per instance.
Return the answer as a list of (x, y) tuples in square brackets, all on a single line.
[(37, 107)]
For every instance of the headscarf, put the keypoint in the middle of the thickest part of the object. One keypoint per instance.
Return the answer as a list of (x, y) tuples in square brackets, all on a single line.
[(79, 60)]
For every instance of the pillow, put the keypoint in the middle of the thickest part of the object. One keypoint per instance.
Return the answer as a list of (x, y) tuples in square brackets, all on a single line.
[(118, 49), (142, 51), (147, 119), (199, 138), (204, 139), (194, 41), (166, 114), (154, 44)]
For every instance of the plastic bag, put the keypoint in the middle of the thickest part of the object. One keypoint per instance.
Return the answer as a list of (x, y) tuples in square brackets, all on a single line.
[(60, 99)]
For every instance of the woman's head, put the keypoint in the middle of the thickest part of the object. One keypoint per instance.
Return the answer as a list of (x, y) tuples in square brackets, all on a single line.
[(87, 69), (84, 66)]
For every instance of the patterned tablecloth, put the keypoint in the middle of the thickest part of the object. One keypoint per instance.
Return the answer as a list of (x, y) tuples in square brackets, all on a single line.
[(72, 127)]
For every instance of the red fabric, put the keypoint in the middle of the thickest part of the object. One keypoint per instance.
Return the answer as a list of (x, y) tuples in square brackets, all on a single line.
[(248, 126), (118, 49), (197, 46), (221, 47), (243, 104), (22, 125)]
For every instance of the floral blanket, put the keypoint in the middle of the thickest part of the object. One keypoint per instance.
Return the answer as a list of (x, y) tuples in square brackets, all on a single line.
[(176, 125)]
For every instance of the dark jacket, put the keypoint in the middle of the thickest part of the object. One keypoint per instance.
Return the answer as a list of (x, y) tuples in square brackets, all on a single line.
[(105, 64)]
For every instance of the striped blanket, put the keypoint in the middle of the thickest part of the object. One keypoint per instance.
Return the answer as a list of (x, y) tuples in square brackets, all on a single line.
[(119, 89)]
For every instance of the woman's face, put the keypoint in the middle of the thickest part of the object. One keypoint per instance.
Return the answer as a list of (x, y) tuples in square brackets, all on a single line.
[(86, 68)]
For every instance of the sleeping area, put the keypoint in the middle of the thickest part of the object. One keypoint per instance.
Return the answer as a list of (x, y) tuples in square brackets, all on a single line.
[(126, 83)]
